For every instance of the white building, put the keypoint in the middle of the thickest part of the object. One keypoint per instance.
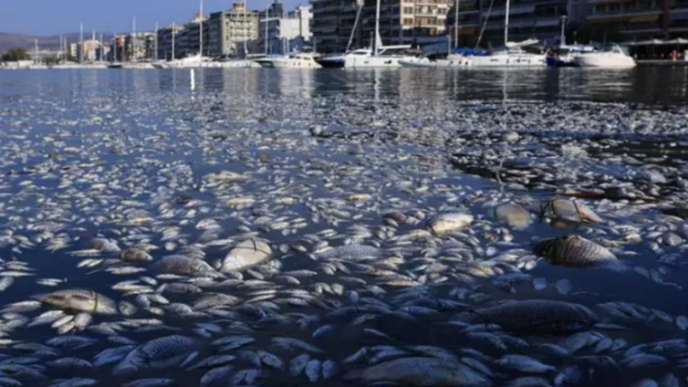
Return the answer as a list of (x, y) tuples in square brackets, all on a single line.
[(287, 33)]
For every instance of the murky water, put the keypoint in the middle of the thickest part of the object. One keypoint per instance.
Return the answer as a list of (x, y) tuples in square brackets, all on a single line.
[(93, 163)]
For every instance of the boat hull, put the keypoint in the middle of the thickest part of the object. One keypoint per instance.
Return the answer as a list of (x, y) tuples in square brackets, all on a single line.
[(331, 63), (604, 61)]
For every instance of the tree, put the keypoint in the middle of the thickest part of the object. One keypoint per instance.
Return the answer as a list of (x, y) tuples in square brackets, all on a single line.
[(15, 54), (51, 60)]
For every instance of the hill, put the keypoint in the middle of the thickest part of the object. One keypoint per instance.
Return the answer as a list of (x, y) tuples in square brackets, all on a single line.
[(11, 40)]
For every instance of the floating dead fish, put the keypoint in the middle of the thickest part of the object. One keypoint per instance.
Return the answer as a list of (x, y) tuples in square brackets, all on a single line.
[(160, 353), (422, 371), (569, 211), (81, 300), (448, 222), (246, 254), (573, 250), (513, 214), (181, 264), (537, 316)]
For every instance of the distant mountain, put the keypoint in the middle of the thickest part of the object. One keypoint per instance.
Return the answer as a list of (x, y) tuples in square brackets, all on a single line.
[(9, 40)]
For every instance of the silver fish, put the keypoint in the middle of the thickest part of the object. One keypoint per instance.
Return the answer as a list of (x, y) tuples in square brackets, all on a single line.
[(422, 372), (81, 300), (160, 353)]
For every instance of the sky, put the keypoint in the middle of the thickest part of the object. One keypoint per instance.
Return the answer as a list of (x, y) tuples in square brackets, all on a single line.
[(50, 17)]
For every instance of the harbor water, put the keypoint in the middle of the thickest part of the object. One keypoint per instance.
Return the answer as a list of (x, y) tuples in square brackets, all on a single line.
[(408, 227)]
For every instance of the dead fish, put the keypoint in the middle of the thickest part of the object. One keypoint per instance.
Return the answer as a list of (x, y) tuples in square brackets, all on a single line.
[(81, 300), (352, 252), (524, 364), (150, 382), (569, 211), (74, 382), (448, 222), (573, 250), (421, 372), (513, 214), (537, 316), (181, 264), (135, 255), (160, 353), (246, 254)]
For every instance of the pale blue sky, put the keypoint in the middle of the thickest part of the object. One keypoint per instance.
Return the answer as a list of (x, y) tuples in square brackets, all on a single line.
[(47, 17)]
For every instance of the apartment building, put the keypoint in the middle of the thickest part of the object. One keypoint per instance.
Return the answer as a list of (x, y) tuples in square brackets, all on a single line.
[(333, 22), (640, 19), (167, 45), (232, 32), (285, 33)]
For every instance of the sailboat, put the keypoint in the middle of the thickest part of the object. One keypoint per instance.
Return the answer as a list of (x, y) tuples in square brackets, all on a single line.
[(512, 55), (379, 56)]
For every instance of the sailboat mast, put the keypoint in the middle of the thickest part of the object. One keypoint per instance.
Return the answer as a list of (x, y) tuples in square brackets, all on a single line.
[(174, 33), (35, 51), (377, 26), (506, 24), (456, 24)]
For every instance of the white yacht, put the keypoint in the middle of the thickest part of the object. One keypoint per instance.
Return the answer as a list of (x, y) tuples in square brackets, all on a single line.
[(512, 56), (452, 60), (191, 61), (378, 56), (301, 60), (616, 57)]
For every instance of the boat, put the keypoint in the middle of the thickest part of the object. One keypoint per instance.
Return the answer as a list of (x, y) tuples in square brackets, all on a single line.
[(615, 57), (191, 61), (300, 60), (380, 56), (115, 65), (513, 55)]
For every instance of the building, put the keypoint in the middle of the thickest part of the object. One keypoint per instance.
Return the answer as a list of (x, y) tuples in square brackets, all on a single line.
[(139, 46), (90, 50), (232, 32), (168, 42), (333, 23), (287, 32), (629, 20)]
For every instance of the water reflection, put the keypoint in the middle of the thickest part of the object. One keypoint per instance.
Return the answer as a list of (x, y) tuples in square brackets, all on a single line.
[(651, 85)]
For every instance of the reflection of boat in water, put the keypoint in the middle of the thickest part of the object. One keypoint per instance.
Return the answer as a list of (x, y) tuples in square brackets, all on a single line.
[(615, 57), (301, 60)]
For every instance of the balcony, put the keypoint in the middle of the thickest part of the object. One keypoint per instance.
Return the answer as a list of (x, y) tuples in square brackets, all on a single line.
[(646, 15)]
